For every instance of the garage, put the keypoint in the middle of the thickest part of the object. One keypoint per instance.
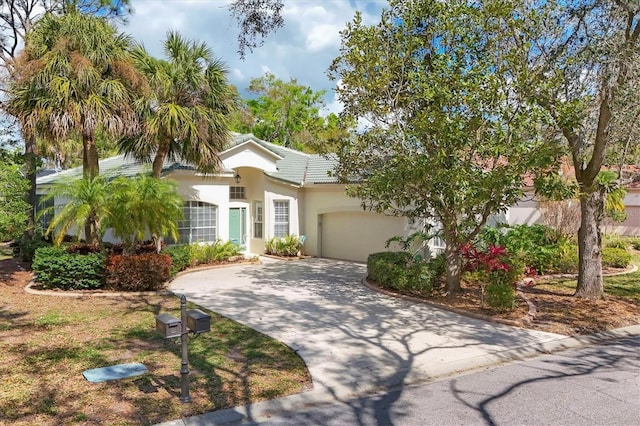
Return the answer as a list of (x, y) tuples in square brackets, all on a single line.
[(355, 235)]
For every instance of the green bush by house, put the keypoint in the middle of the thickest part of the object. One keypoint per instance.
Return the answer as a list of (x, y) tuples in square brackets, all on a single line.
[(180, 258), (399, 271), (53, 267), (287, 246)]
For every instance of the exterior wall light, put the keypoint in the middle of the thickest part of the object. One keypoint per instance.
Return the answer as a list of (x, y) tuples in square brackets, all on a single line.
[(237, 178)]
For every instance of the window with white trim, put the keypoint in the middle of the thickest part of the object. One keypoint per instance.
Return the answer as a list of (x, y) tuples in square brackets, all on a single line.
[(258, 214), (236, 193), (280, 218), (200, 222)]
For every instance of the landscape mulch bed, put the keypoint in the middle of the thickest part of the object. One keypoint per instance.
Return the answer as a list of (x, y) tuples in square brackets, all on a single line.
[(556, 311)]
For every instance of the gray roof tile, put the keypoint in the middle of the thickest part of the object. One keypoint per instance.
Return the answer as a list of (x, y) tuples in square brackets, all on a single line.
[(295, 167)]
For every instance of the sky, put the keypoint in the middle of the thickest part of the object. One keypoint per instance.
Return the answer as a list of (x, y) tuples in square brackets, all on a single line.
[(303, 49)]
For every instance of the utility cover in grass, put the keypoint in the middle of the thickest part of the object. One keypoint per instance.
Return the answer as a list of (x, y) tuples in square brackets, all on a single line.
[(120, 371)]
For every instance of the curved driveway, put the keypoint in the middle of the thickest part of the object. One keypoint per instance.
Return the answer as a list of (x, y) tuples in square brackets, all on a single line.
[(351, 338)]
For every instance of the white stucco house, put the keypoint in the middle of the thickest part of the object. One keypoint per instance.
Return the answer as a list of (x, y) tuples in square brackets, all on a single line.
[(266, 191)]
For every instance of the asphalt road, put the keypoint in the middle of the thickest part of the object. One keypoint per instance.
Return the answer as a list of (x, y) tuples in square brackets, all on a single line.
[(596, 385)]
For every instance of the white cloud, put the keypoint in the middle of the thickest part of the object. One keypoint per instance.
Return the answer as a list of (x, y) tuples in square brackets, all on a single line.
[(265, 69), (237, 74), (322, 36), (335, 107)]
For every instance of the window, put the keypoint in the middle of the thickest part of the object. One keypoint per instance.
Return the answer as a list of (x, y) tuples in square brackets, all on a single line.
[(257, 219), (281, 218), (46, 218), (236, 193), (200, 222)]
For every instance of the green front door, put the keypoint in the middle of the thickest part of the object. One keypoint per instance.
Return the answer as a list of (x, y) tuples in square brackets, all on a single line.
[(238, 225)]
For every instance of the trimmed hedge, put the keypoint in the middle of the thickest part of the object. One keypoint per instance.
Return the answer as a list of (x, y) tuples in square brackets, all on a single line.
[(397, 270), (615, 257), (142, 272), (55, 268)]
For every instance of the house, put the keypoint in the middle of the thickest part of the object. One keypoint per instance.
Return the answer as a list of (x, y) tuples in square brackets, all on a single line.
[(266, 191)]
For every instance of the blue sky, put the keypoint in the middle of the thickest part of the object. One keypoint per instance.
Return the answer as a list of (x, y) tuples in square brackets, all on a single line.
[(303, 49)]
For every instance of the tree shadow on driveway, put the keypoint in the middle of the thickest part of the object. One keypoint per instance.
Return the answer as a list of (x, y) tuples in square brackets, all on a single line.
[(353, 339)]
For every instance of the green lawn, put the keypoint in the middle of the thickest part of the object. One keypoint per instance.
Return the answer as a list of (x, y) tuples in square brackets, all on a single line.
[(627, 285), (46, 342)]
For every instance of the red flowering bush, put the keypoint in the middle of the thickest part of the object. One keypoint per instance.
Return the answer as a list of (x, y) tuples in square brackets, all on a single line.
[(141, 272), (493, 268), (495, 258)]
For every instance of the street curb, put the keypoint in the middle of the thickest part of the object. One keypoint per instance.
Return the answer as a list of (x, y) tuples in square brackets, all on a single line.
[(263, 411)]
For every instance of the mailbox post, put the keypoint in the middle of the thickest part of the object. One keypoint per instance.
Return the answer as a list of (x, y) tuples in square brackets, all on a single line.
[(184, 339), (192, 321)]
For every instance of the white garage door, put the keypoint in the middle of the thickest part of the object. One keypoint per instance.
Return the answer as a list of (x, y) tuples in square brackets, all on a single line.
[(355, 235)]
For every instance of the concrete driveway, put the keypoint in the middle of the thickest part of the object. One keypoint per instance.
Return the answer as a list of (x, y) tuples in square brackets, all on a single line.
[(353, 339)]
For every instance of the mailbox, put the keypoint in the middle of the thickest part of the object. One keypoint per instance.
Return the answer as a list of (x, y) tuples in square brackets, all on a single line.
[(198, 321), (168, 326)]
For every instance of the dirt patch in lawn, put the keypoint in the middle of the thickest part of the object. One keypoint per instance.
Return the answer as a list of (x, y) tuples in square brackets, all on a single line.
[(556, 310), (46, 342)]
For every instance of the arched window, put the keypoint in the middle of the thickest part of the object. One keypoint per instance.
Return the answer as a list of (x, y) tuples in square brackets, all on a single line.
[(200, 223)]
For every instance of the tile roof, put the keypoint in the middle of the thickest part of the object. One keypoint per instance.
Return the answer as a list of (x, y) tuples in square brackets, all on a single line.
[(295, 167)]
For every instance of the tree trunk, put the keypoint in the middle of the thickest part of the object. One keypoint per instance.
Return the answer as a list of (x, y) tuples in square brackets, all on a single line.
[(90, 165), (453, 264), (90, 169), (158, 161), (590, 246), (30, 172)]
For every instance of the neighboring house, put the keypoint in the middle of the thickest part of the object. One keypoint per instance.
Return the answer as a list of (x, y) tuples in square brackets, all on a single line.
[(266, 191)]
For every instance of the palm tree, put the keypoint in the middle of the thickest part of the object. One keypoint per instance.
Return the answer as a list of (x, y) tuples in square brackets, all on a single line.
[(86, 204), (186, 114), (143, 204), (74, 78)]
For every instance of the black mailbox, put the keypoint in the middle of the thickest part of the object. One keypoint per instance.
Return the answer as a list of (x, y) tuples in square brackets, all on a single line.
[(168, 326), (198, 321)]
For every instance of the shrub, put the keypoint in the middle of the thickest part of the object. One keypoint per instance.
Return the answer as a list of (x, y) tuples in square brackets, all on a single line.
[(379, 265), (537, 245), (55, 268), (180, 258), (142, 272), (615, 257), (438, 268), (141, 247), (398, 271), (566, 260), (27, 247), (501, 296), (83, 249), (288, 246), (200, 254), (616, 241), (635, 243)]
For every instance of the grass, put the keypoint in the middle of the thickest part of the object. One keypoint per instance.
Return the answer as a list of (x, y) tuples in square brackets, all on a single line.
[(46, 343), (626, 286)]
